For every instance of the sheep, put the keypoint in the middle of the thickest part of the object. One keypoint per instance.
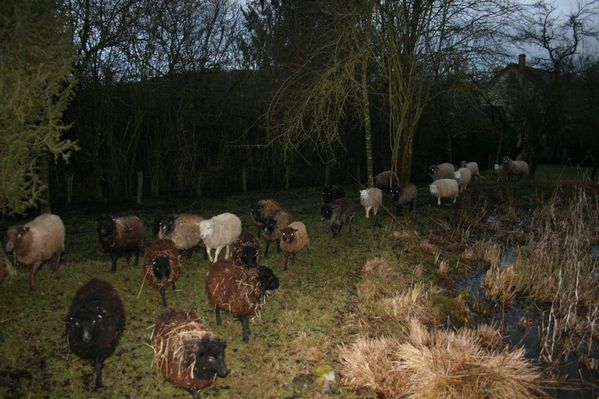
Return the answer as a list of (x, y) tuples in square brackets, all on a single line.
[(94, 323), (218, 232), (463, 176), (162, 265), (246, 249), (515, 168), (403, 196), (473, 166), (332, 192), (371, 198), (500, 172), (445, 188), (338, 212), (121, 236), (441, 171), (271, 229), (37, 241), (186, 352), (2, 269), (183, 230), (262, 210), (294, 238), (238, 290), (386, 180)]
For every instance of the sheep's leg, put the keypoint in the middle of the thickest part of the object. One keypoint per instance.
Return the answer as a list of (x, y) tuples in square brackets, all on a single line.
[(163, 296), (286, 259), (439, 201), (279, 245), (56, 262), (375, 209), (209, 255), (367, 212), (98, 367), (136, 261), (113, 257), (32, 273), (195, 394), (216, 252), (293, 259), (267, 246), (219, 320), (455, 199), (174, 287), (227, 252), (245, 323)]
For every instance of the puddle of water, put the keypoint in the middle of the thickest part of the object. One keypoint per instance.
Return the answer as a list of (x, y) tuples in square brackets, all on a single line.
[(595, 251)]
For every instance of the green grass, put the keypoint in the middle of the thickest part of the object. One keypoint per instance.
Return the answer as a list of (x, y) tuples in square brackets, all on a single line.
[(298, 330)]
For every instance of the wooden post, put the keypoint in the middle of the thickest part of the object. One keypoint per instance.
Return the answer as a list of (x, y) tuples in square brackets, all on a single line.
[(140, 186)]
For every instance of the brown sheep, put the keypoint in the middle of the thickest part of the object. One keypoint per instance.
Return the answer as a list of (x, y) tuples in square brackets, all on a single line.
[(246, 249), (271, 229), (186, 352), (385, 180), (121, 236), (238, 290), (37, 241), (183, 229), (2, 269), (403, 196), (262, 210), (162, 266), (294, 238)]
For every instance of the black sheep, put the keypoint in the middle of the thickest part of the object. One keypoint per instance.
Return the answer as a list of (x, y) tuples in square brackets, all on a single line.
[(330, 193), (337, 213), (121, 236), (95, 321)]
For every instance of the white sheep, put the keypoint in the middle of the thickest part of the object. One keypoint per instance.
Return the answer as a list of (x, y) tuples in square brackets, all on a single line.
[(463, 177), (442, 171), (473, 166), (445, 188), (500, 172), (371, 198), (515, 168), (218, 232)]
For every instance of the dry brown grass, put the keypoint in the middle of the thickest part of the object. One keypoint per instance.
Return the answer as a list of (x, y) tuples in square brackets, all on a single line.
[(500, 283), (437, 364), (414, 303)]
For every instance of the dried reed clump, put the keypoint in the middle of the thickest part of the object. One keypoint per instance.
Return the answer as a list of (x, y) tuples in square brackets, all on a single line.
[(380, 278), (438, 364), (414, 303), (442, 268), (500, 283)]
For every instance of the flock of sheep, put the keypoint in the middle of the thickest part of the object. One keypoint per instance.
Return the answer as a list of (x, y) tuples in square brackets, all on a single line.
[(186, 352)]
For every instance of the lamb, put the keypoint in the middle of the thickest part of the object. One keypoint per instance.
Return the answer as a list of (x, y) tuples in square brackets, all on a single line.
[(403, 196), (386, 180), (246, 249), (262, 210), (186, 352), (445, 188), (500, 172), (294, 238), (463, 177), (121, 236), (339, 212), (271, 229), (218, 232), (183, 230), (330, 193), (515, 168), (441, 171), (371, 198), (37, 241), (473, 166), (95, 321), (238, 290), (162, 265)]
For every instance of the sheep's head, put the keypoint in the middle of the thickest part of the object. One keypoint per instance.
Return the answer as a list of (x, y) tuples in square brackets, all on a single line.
[(363, 194), (326, 212), (433, 189), (269, 225), (506, 160), (106, 226), (167, 224), (256, 211), (17, 238), (497, 167), (82, 325), (395, 193), (288, 234), (463, 164), (249, 256), (268, 280), (206, 229), (433, 169), (161, 267), (457, 174), (210, 359)]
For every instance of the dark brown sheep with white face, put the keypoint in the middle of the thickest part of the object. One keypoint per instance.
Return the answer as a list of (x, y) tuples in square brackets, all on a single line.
[(238, 290), (37, 241), (162, 266), (246, 249), (262, 210), (95, 321), (186, 352), (271, 229), (121, 236)]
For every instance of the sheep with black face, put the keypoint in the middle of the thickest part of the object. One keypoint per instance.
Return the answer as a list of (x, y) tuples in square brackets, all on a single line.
[(95, 320), (332, 192), (337, 213), (162, 266), (246, 249), (121, 236)]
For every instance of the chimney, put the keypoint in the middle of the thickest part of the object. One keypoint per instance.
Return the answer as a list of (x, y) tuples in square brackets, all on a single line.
[(522, 61)]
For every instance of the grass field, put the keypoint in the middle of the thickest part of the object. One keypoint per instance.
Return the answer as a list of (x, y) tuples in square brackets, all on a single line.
[(319, 306)]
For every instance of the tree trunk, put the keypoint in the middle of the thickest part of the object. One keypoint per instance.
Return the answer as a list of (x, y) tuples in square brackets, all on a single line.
[(70, 176), (44, 164), (140, 186), (367, 127)]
